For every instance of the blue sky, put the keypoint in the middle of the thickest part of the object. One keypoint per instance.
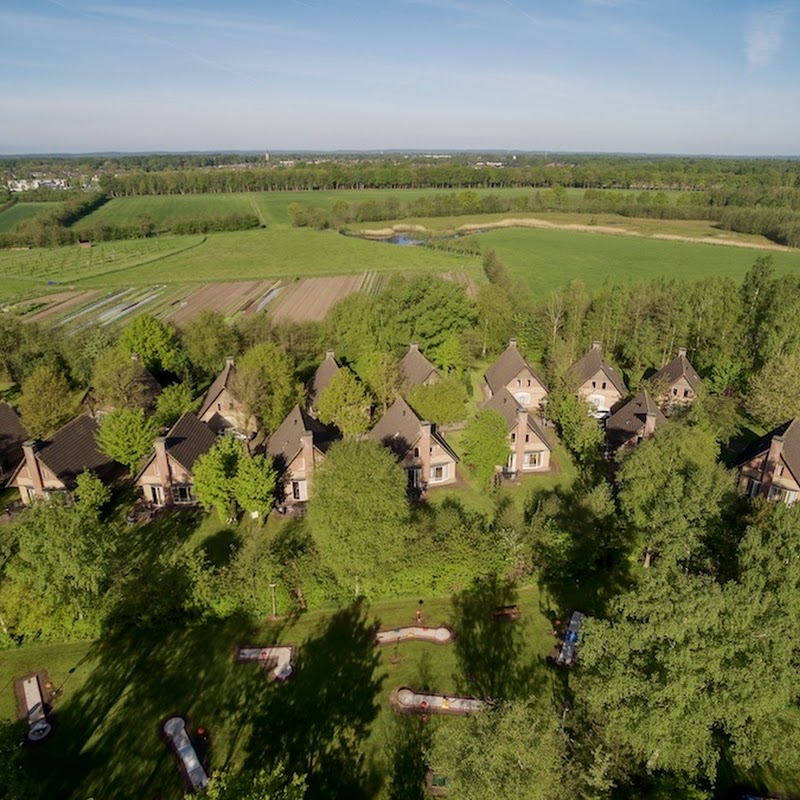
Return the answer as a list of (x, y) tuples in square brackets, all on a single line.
[(676, 76)]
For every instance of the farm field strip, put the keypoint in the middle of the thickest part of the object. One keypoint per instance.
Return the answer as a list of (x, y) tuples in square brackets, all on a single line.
[(311, 298), (59, 304), (229, 298)]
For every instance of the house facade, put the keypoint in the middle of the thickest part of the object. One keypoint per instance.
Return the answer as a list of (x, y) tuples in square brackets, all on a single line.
[(632, 422), (676, 383), (297, 447), (422, 451), (770, 466), (52, 467), (221, 410), (529, 450), (167, 479), (597, 382), (514, 374)]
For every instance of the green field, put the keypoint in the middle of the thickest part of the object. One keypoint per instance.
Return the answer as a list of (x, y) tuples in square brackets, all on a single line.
[(21, 211)]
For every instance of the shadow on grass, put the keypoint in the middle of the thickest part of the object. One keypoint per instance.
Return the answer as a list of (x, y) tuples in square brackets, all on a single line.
[(318, 722), (409, 743), (108, 743), (492, 655)]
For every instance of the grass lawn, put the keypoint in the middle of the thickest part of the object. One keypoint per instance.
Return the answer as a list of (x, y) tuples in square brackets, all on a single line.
[(21, 211), (116, 690)]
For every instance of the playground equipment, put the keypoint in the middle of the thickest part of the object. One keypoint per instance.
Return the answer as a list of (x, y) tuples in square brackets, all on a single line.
[(178, 738), (278, 658)]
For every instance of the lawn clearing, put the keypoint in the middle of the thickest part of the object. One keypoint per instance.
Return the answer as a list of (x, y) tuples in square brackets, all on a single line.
[(20, 212)]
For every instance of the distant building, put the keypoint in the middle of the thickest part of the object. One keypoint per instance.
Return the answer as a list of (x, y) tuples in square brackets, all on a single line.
[(676, 383), (221, 409), (415, 369), (632, 422), (770, 466)]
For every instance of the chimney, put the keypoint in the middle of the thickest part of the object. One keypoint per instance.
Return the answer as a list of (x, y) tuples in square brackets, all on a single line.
[(681, 352), (512, 343), (649, 425), (229, 360), (162, 465), (330, 354), (307, 449), (425, 451), (29, 449), (596, 346), (413, 347), (773, 458), (519, 445)]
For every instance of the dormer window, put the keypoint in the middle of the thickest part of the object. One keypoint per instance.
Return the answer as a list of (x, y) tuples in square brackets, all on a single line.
[(416, 452), (604, 385), (519, 382), (594, 384), (529, 382), (513, 438)]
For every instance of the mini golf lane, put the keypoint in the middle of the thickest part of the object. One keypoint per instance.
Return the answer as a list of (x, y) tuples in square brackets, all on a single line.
[(280, 659), (415, 633), (178, 738), (406, 700)]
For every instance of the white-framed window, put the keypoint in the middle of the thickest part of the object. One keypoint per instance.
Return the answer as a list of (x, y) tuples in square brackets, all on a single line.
[(753, 487), (439, 473), (523, 398), (533, 460), (299, 491), (182, 494), (789, 497), (519, 382)]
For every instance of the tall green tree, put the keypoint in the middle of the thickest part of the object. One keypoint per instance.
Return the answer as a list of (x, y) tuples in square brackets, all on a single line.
[(345, 404), (442, 402), (358, 511), (154, 342), (774, 393), (512, 750), (265, 384), (580, 431), (208, 339), (127, 436), (214, 474), (486, 445), (119, 381), (254, 484), (46, 401), (173, 402), (379, 371)]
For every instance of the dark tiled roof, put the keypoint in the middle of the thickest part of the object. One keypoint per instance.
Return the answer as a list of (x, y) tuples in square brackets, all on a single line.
[(12, 435), (287, 440), (188, 439), (322, 377), (222, 381), (507, 366), (678, 368), (506, 405), (589, 365), (414, 368), (629, 419), (791, 446), (73, 450), (400, 427)]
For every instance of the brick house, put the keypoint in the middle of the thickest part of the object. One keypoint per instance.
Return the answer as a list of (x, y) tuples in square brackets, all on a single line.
[(297, 446), (415, 369), (512, 372), (770, 466), (51, 467), (166, 479), (12, 435), (221, 410), (676, 383), (633, 421), (528, 445), (423, 452), (594, 379)]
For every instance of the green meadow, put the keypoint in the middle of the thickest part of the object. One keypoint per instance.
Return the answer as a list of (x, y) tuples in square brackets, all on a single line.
[(21, 211)]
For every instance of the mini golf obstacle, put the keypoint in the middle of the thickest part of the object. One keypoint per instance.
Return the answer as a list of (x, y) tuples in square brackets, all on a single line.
[(39, 727), (277, 658), (178, 739), (406, 700), (569, 648), (414, 633)]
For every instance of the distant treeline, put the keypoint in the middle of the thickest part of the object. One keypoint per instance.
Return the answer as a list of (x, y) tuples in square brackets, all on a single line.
[(59, 225), (766, 217)]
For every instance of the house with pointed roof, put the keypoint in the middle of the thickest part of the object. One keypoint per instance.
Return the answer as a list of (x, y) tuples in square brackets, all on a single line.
[(51, 467), (297, 447), (770, 466), (676, 383), (221, 410), (322, 378), (12, 435), (529, 450), (167, 478), (511, 371), (633, 421), (415, 369), (422, 451), (594, 379)]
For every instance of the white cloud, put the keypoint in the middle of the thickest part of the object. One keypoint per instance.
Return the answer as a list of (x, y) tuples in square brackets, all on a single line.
[(763, 35)]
